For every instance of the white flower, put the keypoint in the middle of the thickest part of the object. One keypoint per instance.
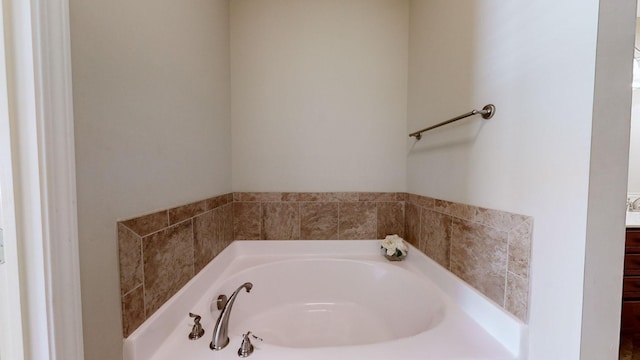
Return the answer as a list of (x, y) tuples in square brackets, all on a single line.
[(401, 245), (389, 244), (393, 244)]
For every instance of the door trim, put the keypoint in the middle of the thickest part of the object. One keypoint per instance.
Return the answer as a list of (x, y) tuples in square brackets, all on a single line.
[(41, 117), (52, 52)]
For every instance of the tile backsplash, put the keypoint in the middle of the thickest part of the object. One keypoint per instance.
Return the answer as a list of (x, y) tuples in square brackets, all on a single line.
[(162, 251), (489, 249), (317, 216)]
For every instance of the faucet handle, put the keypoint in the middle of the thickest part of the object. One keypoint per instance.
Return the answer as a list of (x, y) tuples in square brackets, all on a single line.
[(221, 301), (197, 331), (254, 336), (246, 348)]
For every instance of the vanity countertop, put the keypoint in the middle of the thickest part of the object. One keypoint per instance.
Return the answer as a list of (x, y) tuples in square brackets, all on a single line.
[(633, 219)]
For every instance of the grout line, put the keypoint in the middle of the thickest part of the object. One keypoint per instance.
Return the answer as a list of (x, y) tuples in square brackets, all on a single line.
[(193, 249), (376, 220), (219, 238), (157, 231), (260, 223), (144, 288), (299, 222), (339, 218), (449, 267), (506, 271), (128, 228), (419, 232), (132, 290)]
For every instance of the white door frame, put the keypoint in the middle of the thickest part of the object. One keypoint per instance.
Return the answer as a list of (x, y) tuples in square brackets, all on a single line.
[(43, 163), (11, 340)]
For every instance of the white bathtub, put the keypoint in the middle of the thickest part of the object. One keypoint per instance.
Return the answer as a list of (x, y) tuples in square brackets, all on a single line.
[(331, 300)]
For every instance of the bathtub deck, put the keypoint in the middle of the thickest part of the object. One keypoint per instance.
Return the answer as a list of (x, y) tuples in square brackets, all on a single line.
[(474, 328)]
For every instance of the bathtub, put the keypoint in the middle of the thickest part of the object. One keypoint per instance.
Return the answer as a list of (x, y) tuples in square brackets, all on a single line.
[(331, 300)]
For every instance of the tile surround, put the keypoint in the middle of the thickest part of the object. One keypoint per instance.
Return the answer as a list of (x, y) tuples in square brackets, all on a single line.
[(160, 252), (129, 245), (489, 249), (317, 216), (207, 234), (357, 220), (319, 220), (390, 218), (435, 238), (133, 314), (280, 221), (479, 257), (412, 223), (247, 218), (167, 262)]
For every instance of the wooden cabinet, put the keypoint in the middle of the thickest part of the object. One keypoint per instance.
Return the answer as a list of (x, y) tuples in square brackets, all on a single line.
[(631, 283)]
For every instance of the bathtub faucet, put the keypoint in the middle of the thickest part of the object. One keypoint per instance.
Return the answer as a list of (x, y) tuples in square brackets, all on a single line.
[(220, 337)]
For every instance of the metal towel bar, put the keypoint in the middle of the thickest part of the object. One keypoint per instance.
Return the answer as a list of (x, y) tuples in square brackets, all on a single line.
[(486, 113)]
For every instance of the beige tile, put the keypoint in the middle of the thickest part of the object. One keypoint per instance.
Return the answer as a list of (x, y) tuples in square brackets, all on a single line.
[(280, 221), (497, 219), (168, 264), (401, 196), (479, 257), (235, 196), (413, 198), (225, 239), (289, 196), (130, 258), (227, 224), (206, 237), (377, 196), (517, 296), (147, 224), (520, 248), (217, 201), (424, 202), (246, 220), (458, 210), (390, 218), (421, 201), (436, 236), (260, 196), (308, 196), (412, 223), (184, 212), (343, 196), (319, 221), (133, 314), (327, 196), (357, 220)]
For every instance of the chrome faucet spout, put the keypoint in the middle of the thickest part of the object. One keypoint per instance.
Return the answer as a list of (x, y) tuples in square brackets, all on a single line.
[(220, 336)]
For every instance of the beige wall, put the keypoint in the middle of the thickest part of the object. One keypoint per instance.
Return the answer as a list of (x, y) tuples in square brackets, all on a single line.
[(319, 102), (319, 95), (533, 157), (151, 103), (634, 149)]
